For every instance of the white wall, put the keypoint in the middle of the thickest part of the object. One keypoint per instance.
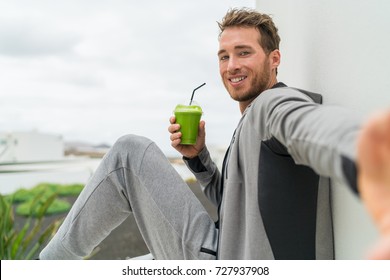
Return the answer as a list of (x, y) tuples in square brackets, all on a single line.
[(339, 49)]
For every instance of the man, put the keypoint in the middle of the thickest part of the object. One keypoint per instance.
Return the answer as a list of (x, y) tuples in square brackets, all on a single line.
[(272, 203)]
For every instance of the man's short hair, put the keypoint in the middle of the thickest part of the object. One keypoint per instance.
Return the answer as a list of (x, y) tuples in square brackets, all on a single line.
[(245, 17)]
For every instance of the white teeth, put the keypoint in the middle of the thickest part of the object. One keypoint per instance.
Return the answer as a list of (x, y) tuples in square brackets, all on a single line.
[(236, 80)]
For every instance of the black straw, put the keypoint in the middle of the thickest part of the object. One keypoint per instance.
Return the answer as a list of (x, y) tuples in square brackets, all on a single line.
[(194, 92)]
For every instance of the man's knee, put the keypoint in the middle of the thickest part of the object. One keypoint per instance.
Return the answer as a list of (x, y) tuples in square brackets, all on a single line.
[(131, 143), (128, 151)]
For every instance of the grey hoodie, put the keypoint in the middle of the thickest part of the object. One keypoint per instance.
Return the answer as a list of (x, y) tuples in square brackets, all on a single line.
[(273, 193)]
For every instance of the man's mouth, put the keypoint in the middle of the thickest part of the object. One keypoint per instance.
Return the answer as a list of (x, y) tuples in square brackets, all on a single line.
[(237, 79)]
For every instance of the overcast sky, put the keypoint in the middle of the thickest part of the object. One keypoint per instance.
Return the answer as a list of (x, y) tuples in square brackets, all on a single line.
[(94, 70)]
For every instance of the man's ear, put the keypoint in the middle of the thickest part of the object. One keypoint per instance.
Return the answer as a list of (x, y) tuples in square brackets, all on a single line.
[(275, 58)]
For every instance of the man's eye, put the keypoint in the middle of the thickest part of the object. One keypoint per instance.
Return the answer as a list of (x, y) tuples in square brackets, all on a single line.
[(244, 53), (222, 58)]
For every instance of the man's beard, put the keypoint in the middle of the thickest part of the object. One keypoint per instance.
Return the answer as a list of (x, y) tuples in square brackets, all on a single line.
[(258, 85)]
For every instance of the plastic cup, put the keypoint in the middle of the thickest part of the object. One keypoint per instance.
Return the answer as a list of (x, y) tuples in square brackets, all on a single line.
[(188, 116)]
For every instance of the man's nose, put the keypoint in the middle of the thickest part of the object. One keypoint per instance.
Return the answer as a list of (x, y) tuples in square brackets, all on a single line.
[(233, 65)]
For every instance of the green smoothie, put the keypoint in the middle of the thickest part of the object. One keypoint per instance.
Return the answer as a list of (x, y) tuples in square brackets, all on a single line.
[(188, 116)]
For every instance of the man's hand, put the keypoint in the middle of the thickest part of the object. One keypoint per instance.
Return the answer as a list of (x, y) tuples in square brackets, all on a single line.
[(373, 161), (189, 151)]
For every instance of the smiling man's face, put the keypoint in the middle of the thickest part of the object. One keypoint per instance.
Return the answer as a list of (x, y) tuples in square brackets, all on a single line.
[(246, 70)]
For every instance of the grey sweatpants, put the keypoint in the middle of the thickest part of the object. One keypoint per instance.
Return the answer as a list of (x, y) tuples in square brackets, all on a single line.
[(135, 177)]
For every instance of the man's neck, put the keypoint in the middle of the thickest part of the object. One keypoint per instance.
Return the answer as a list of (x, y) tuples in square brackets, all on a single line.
[(244, 104)]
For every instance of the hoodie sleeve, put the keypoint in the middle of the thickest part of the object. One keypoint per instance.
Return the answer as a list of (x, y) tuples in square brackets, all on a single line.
[(322, 137), (207, 174)]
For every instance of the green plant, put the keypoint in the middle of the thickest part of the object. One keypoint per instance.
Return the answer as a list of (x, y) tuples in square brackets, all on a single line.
[(24, 243), (57, 206), (25, 197), (70, 190)]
